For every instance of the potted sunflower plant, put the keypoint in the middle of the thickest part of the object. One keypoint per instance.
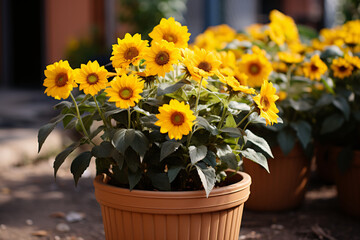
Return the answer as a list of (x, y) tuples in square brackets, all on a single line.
[(275, 52), (172, 136), (337, 114)]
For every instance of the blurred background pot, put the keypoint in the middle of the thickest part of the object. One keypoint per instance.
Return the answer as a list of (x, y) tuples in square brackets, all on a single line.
[(348, 185), (157, 215), (284, 188)]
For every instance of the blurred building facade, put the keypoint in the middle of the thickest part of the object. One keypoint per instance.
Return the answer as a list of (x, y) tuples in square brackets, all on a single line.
[(40, 32)]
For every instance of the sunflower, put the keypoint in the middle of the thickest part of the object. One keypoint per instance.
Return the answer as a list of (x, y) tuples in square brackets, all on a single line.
[(287, 25), (59, 81), (315, 68), (125, 91), (256, 31), (265, 102), (160, 57), (202, 64), (290, 57), (276, 33), (128, 50), (257, 67), (280, 67), (207, 41), (234, 85), (341, 68), (91, 78), (353, 60), (228, 63), (171, 31), (175, 118)]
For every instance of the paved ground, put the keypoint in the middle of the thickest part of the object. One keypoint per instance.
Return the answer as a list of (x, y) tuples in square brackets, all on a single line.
[(32, 203)]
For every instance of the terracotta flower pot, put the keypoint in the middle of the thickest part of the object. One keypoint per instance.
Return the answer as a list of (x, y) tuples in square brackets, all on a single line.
[(325, 156), (348, 187), (284, 188), (157, 215)]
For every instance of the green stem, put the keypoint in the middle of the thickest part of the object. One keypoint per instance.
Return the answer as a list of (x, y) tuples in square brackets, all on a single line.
[(100, 113), (129, 118), (224, 112), (198, 97), (247, 115), (80, 119), (196, 112)]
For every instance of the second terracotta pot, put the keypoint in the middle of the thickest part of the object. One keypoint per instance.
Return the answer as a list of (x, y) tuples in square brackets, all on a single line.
[(284, 188), (348, 186)]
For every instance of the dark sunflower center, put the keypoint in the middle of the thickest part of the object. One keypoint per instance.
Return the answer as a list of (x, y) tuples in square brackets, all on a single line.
[(254, 68), (264, 101), (131, 53), (162, 58), (61, 79), (170, 38), (126, 93), (342, 69), (177, 118), (92, 78), (314, 68), (205, 66)]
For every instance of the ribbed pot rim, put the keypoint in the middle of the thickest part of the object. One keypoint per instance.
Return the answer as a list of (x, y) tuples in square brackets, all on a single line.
[(174, 202)]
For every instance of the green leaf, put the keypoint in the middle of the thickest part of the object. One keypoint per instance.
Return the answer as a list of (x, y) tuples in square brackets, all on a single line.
[(172, 88), (160, 180), (325, 100), (197, 153), (173, 171), (341, 104), (230, 122), (104, 150), (210, 159), (134, 178), (132, 160), (300, 105), (142, 111), (206, 125), (44, 132), (149, 121), (63, 104), (60, 158), (231, 132), (239, 106), (286, 140), (331, 52), (113, 112), (207, 177), (258, 141), (168, 148), (140, 143), (303, 131), (225, 153), (122, 139), (102, 165), (256, 157), (80, 164), (332, 123)]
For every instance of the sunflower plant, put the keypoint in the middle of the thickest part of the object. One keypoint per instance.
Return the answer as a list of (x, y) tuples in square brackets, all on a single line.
[(274, 52), (337, 106), (167, 115)]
